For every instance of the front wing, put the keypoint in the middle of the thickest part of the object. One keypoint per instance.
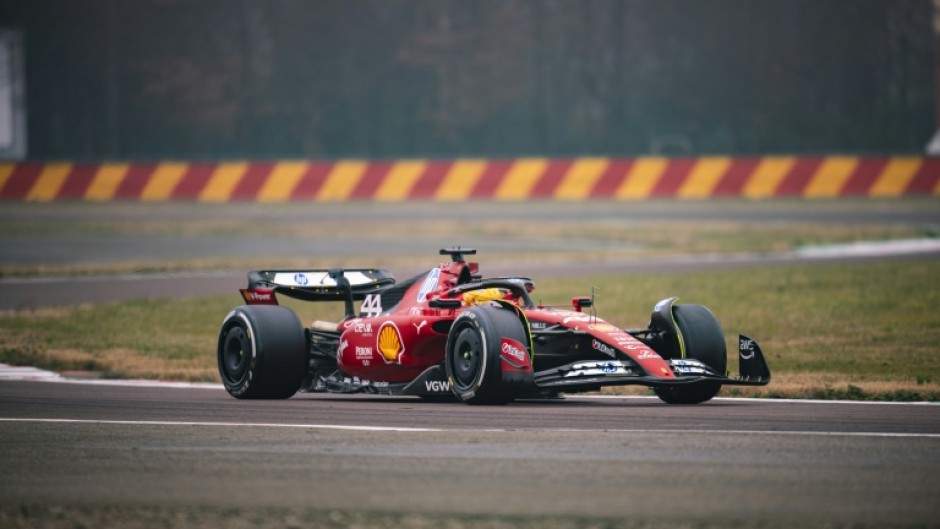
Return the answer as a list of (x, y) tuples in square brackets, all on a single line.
[(588, 375)]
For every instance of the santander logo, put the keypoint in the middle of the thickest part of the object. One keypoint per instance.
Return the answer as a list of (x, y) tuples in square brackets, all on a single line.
[(510, 349), (258, 296)]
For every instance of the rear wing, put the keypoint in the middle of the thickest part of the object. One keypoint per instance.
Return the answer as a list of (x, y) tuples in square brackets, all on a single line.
[(334, 284)]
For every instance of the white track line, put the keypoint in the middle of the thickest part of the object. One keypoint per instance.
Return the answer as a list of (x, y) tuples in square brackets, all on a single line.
[(764, 432), (871, 248), (25, 373), (138, 383), (769, 400), (363, 428)]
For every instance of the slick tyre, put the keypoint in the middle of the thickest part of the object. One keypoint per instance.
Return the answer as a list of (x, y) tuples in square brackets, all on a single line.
[(703, 340), (262, 352), (472, 359)]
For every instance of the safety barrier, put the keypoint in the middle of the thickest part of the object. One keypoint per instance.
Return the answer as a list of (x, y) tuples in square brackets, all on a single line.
[(474, 179)]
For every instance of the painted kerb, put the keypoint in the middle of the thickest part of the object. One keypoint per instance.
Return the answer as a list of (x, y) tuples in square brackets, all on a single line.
[(473, 179)]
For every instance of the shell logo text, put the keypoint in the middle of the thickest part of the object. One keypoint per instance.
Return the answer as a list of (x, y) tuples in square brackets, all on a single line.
[(389, 342)]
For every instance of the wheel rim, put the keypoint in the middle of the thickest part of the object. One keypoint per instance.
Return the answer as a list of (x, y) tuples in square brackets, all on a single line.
[(467, 358), (236, 354)]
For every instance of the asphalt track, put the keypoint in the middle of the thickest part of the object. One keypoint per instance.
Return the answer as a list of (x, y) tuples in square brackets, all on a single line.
[(85, 455), (731, 461)]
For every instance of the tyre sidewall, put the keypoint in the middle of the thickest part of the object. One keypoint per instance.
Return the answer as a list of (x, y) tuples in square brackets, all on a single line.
[(277, 355), (477, 322), (491, 323), (237, 384)]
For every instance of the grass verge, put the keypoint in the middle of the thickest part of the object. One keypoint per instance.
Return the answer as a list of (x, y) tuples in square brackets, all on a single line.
[(857, 331)]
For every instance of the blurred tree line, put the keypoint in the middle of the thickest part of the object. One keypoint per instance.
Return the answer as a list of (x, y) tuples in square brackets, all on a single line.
[(215, 79)]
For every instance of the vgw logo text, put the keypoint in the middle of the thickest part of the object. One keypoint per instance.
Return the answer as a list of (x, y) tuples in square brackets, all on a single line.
[(437, 386)]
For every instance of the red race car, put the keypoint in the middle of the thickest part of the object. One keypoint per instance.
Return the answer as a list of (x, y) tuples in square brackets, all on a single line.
[(451, 333)]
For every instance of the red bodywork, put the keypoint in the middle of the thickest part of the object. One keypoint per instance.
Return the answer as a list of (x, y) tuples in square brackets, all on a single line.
[(396, 344)]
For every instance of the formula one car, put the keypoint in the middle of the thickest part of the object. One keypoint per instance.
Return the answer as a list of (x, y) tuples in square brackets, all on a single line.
[(451, 333)]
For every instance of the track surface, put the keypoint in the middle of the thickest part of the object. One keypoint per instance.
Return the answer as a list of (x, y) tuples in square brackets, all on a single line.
[(47, 239), (27, 294), (746, 462), (100, 455)]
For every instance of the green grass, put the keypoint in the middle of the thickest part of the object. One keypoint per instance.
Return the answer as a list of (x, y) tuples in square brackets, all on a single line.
[(862, 331)]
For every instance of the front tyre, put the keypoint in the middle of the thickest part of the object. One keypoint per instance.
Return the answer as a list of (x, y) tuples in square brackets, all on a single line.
[(262, 352), (472, 359), (702, 340)]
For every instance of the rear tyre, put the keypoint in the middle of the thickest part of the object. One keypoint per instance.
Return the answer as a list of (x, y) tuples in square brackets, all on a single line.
[(472, 359), (262, 352), (703, 340)]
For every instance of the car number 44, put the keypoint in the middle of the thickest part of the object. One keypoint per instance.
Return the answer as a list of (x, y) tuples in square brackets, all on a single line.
[(372, 305)]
